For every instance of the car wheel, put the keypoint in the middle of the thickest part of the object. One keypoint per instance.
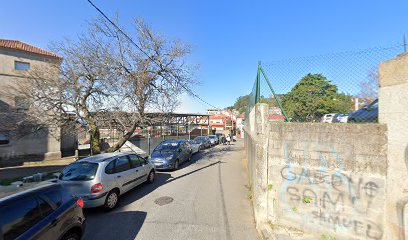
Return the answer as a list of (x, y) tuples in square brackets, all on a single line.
[(71, 236), (111, 200), (151, 177), (176, 165)]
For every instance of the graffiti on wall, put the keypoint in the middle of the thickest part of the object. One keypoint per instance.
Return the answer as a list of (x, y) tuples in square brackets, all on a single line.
[(328, 197)]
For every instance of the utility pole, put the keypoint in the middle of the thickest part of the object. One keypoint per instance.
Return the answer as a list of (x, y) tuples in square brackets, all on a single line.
[(405, 43), (188, 130), (148, 139)]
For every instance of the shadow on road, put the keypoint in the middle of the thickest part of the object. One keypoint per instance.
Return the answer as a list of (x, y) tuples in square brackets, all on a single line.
[(126, 225)]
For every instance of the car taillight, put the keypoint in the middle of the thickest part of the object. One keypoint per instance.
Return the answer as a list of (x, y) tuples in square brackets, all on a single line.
[(97, 188), (80, 202)]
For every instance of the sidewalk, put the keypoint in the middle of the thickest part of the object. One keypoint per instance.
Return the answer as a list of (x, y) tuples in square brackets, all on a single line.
[(30, 168)]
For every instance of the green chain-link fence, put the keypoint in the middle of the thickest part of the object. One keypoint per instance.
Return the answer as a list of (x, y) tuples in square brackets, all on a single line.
[(339, 87)]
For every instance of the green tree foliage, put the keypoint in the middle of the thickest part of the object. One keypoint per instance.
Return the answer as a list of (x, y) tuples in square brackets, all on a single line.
[(241, 104), (270, 101), (312, 97)]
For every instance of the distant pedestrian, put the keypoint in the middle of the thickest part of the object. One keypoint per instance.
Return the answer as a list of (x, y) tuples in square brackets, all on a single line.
[(228, 139)]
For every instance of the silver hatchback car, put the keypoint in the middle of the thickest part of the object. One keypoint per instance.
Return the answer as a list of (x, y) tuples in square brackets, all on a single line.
[(100, 180)]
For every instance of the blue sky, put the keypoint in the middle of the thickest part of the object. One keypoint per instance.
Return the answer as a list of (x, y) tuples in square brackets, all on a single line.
[(228, 37)]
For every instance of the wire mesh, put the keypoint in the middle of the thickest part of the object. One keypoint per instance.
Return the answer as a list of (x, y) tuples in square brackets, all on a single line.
[(337, 87)]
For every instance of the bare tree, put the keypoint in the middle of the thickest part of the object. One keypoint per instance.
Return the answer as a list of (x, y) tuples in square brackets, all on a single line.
[(369, 88), (104, 77), (153, 74)]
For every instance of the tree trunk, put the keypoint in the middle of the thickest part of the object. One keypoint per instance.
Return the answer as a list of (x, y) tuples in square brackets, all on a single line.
[(96, 139), (123, 140)]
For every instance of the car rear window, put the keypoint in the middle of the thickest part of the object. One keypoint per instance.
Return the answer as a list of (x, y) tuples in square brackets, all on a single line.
[(18, 217), (80, 171)]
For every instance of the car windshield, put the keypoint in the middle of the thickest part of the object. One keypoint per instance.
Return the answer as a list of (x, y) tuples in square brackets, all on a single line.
[(80, 171), (373, 105), (167, 147)]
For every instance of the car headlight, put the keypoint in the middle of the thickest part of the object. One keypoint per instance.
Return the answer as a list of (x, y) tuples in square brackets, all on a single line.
[(169, 157)]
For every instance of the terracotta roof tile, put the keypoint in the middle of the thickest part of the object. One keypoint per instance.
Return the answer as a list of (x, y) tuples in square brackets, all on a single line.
[(276, 117), (219, 116), (18, 45)]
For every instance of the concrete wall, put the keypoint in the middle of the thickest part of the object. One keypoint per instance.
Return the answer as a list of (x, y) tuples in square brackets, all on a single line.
[(328, 178), (317, 179), (393, 111)]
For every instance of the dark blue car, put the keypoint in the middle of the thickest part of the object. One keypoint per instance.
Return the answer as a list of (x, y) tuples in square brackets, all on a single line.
[(368, 113), (40, 211), (170, 154)]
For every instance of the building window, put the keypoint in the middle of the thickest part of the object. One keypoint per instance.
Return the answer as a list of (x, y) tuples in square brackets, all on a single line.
[(4, 138), (22, 103), (24, 66)]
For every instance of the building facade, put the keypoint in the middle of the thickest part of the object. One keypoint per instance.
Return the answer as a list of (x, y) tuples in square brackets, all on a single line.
[(16, 60), (218, 122), (240, 125), (213, 111)]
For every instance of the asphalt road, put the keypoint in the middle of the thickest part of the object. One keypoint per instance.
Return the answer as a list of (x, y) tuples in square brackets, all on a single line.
[(209, 201)]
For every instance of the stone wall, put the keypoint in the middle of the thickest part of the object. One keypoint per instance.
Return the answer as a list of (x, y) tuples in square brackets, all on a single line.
[(328, 179)]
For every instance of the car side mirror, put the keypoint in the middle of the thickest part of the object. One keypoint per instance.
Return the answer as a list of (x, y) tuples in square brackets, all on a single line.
[(365, 108)]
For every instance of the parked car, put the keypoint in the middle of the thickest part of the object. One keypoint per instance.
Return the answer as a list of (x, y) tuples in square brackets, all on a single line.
[(100, 180), (188, 144), (40, 211), (213, 139), (328, 118), (340, 118), (195, 146), (170, 154), (368, 113), (204, 141), (344, 118)]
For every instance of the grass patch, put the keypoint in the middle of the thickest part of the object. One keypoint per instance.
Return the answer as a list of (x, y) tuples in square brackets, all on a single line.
[(270, 186), (307, 200), (325, 237), (8, 181), (249, 195)]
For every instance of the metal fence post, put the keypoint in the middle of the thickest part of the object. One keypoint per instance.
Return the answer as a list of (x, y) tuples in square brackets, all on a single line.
[(258, 84), (274, 95)]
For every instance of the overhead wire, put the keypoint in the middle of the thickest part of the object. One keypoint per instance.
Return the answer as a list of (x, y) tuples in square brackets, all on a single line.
[(188, 90)]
